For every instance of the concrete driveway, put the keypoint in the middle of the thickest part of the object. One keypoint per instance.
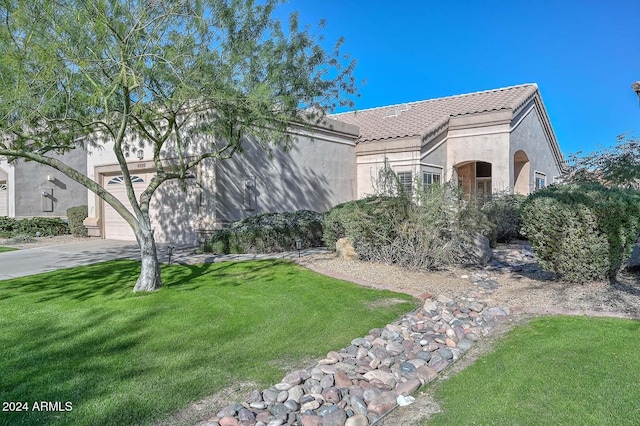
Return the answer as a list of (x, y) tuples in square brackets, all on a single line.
[(30, 261)]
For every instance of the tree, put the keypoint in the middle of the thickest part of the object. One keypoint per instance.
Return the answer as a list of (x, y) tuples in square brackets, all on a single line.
[(125, 73), (618, 166)]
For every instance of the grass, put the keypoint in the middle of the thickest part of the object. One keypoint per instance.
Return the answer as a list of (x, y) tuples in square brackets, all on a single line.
[(3, 249), (552, 371), (80, 335)]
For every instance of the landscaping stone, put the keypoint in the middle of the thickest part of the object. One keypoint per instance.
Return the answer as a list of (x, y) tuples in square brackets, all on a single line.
[(360, 383), (345, 249)]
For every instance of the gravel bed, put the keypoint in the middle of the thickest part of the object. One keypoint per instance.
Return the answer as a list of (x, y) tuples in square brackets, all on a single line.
[(42, 241), (538, 289)]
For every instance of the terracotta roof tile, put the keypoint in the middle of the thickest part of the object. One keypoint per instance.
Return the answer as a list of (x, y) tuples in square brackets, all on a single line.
[(425, 117)]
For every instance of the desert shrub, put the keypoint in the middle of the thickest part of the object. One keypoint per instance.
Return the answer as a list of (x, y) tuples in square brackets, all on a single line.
[(76, 215), (7, 226), (503, 211), (422, 231), (45, 226), (583, 232), (366, 218), (268, 233)]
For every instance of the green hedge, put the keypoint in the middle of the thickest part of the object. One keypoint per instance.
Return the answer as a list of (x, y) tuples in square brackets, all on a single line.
[(76, 216), (582, 232), (268, 233), (46, 226)]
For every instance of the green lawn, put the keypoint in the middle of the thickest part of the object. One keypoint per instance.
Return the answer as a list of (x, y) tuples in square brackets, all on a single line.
[(81, 336), (552, 371), (3, 249)]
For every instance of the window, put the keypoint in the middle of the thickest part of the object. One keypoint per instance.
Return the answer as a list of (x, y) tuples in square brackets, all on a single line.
[(429, 179), (541, 180), (406, 181), (120, 179)]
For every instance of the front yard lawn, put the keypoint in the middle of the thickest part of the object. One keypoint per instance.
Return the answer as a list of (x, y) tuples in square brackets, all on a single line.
[(552, 371), (3, 249), (81, 336)]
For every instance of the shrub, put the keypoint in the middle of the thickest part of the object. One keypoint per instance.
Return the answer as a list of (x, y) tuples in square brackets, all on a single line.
[(268, 233), (76, 216), (503, 211), (364, 217), (583, 232), (45, 226), (7, 226), (434, 230)]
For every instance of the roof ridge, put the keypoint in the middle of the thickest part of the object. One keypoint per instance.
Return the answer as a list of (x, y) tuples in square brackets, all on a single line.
[(436, 99)]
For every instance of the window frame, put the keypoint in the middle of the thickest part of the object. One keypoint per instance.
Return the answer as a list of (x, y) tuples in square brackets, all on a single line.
[(537, 177), (407, 185)]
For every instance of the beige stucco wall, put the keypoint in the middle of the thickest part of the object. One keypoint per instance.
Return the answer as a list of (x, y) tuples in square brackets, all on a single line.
[(529, 135), (403, 156), (481, 137)]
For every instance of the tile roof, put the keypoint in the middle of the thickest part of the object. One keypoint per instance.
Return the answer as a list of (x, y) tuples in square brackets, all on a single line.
[(426, 117)]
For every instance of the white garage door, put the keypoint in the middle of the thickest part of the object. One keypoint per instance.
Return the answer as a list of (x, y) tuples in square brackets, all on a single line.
[(4, 199), (172, 210)]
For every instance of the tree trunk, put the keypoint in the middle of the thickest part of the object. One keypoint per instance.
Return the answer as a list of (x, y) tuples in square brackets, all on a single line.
[(149, 279)]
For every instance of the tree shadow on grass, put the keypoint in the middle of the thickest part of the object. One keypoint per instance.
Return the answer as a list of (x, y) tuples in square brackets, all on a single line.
[(52, 359), (230, 273), (115, 279)]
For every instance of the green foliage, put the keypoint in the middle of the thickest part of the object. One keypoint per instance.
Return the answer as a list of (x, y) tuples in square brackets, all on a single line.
[(555, 370), (503, 211), (583, 232), (187, 80), (80, 335), (434, 230), (76, 215), (618, 166), (46, 226), (268, 233)]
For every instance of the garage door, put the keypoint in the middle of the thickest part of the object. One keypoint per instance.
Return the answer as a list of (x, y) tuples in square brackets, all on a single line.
[(172, 209), (4, 199)]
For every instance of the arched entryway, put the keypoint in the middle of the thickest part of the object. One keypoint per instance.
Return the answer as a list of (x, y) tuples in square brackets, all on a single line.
[(474, 180), (521, 173)]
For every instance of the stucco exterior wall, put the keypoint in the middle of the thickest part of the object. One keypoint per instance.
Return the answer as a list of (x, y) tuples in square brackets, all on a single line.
[(31, 179), (403, 156), (489, 143), (316, 174), (529, 136)]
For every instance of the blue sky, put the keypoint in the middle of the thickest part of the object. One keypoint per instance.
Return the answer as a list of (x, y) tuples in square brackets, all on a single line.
[(584, 55)]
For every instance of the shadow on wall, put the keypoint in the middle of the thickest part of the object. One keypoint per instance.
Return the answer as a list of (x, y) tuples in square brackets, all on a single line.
[(312, 175), (174, 209)]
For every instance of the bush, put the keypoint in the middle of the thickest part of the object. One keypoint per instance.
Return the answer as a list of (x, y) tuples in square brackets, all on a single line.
[(76, 216), (437, 230), (7, 226), (268, 233), (503, 211), (46, 226), (583, 232), (362, 217)]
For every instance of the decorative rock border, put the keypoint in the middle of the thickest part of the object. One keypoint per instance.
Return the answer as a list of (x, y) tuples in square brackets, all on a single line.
[(359, 384)]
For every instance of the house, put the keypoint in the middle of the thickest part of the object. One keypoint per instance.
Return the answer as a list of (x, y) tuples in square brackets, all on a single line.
[(495, 140), (486, 141), (316, 174), (30, 189)]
